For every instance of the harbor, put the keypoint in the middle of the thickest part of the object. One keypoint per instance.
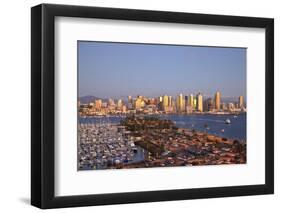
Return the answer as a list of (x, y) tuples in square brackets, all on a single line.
[(105, 145), (137, 142), (211, 123)]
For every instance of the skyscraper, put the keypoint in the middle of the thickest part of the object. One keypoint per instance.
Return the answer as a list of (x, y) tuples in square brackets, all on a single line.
[(186, 100), (160, 99), (208, 104), (170, 101), (183, 103), (217, 101), (200, 102), (195, 102), (180, 103), (241, 102), (165, 102), (190, 100)]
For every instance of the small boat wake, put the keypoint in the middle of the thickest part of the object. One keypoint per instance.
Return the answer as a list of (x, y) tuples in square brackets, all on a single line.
[(201, 119)]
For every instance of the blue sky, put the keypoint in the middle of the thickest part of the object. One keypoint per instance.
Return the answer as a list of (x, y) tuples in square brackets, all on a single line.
[(117, 70)]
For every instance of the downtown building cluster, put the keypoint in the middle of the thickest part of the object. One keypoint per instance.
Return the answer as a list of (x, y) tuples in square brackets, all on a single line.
[(181, 104)]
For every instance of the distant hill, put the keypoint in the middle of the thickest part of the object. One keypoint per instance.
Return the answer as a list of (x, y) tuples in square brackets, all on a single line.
[(87, 99), (90, 98)]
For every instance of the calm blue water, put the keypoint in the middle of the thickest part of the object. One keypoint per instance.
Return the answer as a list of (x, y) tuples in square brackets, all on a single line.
[(216, 123)]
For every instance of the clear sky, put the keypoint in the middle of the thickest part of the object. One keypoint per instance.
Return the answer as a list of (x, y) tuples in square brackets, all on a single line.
[(116, 70)]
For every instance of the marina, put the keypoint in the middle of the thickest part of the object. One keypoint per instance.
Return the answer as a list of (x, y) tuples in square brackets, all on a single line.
[(148, 141), (103, 145)]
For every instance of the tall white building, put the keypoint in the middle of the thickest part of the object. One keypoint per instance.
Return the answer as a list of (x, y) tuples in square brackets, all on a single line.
[(199, 102)]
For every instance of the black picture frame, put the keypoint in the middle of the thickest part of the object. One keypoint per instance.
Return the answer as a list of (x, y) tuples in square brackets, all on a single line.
[(43, 102)]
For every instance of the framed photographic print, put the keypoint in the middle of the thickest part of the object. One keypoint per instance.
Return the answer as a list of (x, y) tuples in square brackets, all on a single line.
[(139, 106)]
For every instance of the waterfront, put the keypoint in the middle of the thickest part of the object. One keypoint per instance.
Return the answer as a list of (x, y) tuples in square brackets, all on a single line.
[(177, 106), (212, 123), (115, 142)]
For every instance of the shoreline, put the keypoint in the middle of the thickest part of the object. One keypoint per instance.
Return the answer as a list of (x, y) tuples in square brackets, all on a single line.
[(169, 146), (180, 124), (162, 114)]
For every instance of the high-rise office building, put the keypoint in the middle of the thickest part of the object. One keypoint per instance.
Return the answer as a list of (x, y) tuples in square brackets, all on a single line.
[(186, 100), (165, 102), (190, 101), (160, 99), (217, 101), (199, 102), (194, 102), (241, 102), (183, 103), (180, 103), (170, 101), (208, 104)]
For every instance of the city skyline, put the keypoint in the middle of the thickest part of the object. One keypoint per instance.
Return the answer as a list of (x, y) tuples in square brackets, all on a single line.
[(116, 70), (181, 104), (152, 105), (125, 97)]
